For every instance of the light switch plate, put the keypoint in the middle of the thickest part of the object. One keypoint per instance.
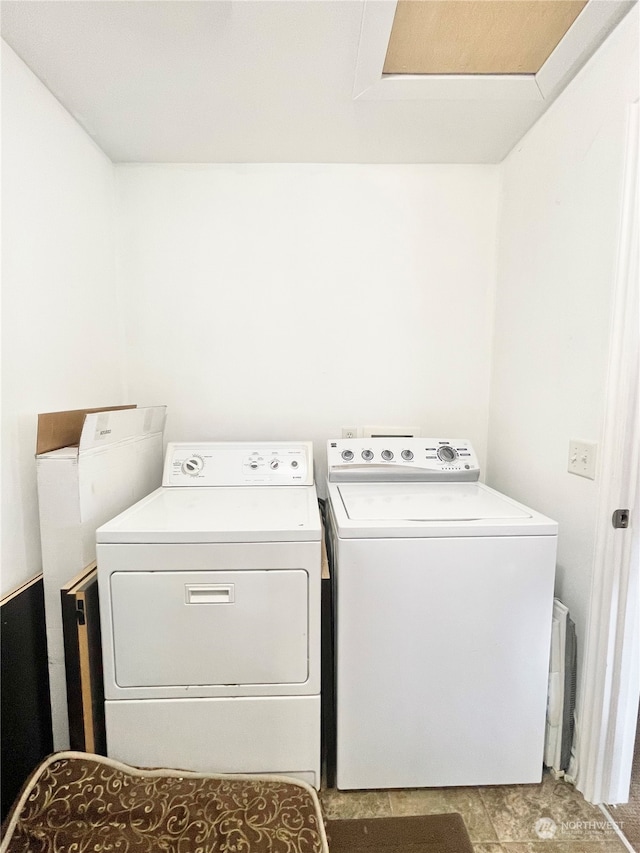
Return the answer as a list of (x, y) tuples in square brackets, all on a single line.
[(582, 458)]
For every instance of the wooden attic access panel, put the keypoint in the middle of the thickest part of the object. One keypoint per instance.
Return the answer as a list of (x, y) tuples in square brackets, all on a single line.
[(477, 36)]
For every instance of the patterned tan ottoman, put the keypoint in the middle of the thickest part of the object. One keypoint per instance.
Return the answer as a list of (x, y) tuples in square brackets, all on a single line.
[(79, 802)]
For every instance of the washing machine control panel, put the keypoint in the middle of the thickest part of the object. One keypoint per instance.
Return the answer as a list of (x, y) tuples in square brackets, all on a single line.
[(239, 463), (401, 459)]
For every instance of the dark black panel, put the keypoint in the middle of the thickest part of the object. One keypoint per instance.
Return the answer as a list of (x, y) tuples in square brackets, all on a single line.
[(95, 664), (327, 692), (25, 707)]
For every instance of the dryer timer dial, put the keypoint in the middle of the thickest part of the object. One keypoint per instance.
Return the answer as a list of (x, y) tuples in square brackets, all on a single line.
[(446, 453), (193, 466)]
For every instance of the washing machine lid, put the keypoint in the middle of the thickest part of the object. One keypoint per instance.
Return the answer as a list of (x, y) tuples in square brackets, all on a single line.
[(431, 509), (220, 514)]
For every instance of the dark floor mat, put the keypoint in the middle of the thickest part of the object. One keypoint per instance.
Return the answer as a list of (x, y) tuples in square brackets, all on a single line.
[(441, 833)]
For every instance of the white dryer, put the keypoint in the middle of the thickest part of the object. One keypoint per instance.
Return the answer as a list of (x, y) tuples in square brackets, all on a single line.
[(210, 613), (443, 598)]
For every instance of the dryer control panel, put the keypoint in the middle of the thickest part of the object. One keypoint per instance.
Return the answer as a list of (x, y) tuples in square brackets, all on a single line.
[(384, 460), (239, 463)]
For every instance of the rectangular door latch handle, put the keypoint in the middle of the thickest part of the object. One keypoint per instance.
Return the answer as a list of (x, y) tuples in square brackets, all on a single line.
[(210, 593), (620, 518)]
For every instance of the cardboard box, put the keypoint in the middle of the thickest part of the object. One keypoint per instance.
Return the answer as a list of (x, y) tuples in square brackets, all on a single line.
[(91, 464)]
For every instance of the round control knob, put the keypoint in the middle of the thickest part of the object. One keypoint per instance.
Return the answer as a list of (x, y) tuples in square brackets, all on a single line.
[(253, 464), (192, 466), (274, 464), (367, 454), (347, 455), (407, 455), (446, 453), (387, 455), (294, 463)]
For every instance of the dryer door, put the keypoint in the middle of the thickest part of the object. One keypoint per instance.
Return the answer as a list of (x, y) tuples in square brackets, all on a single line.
[(210, 628)]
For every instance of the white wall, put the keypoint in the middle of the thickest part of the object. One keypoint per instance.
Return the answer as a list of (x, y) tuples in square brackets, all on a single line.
[(558, 232), (61, 335), (280, 301)]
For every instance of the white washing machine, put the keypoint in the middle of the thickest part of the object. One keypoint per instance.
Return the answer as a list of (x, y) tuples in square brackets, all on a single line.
[(210, 612), (443, 597)]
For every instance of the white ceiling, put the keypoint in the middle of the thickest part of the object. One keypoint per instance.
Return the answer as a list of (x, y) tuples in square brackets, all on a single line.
[(242, 81)]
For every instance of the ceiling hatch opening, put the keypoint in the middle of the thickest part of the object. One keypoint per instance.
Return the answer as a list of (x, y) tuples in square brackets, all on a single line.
[(477, 36)]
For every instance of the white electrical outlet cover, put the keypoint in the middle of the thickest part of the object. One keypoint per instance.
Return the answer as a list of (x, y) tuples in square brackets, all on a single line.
[(351, 432)]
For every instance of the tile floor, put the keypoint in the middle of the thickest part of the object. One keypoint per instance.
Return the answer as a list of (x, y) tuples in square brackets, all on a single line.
[(500, 819)]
